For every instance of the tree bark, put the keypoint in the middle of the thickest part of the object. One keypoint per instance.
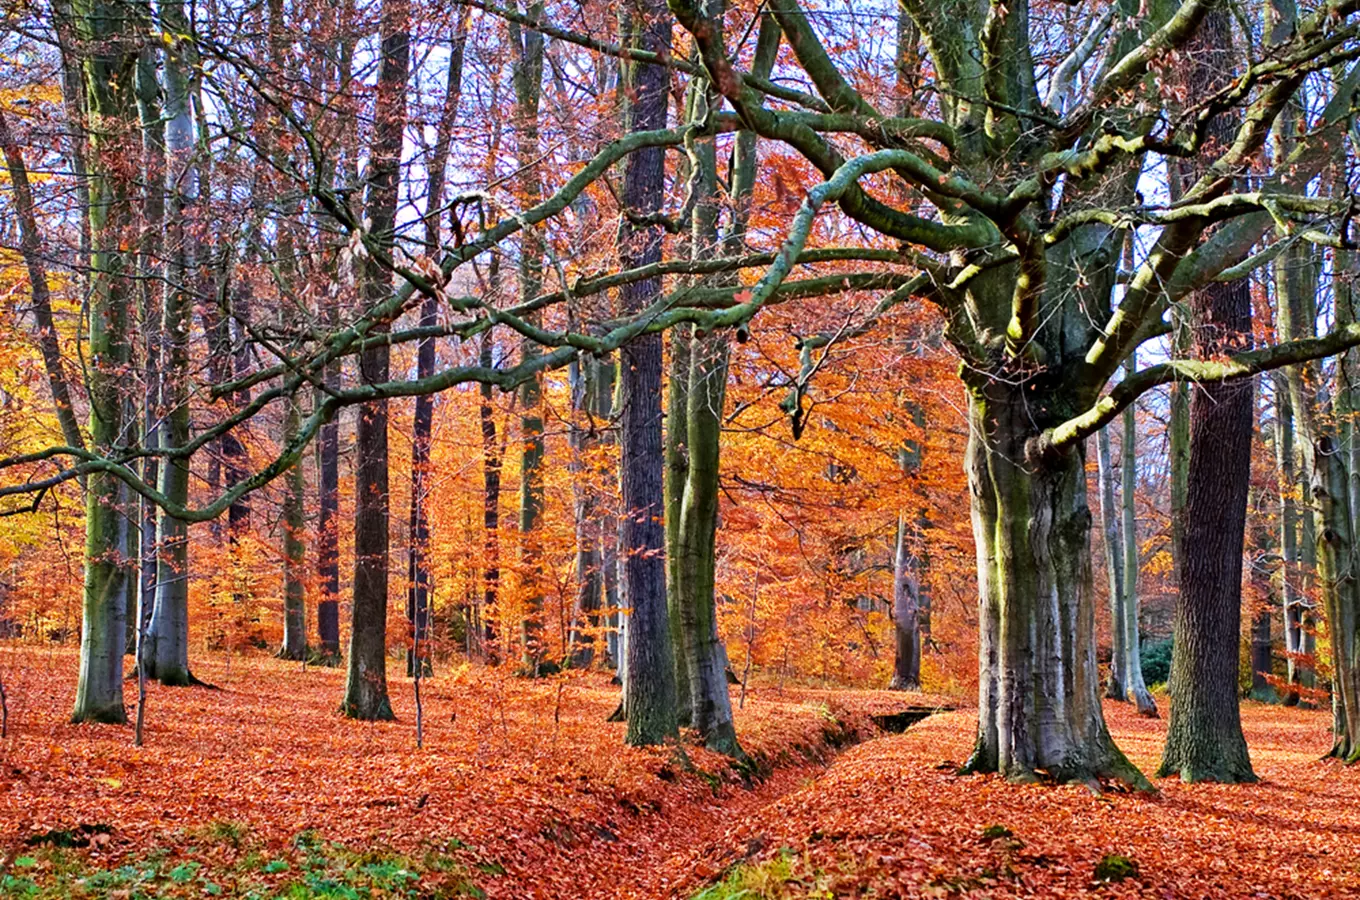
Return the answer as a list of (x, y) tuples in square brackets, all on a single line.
[(1133, 666), (166, 647), (1114, 568), (366, 681), (1204, 738), (649, 689), (294, 548), (109, 67), (1039, 706), (528, 84), (419, 580)]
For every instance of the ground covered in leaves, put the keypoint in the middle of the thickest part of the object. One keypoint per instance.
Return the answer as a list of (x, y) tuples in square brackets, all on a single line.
[(524, 791), (890, 818)]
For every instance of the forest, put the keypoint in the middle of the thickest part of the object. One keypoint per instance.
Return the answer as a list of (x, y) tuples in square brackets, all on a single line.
[(701, 449)]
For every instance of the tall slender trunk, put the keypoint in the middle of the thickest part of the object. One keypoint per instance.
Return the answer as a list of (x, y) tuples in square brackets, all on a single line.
[(491, 507), (649, 688), (1128, 471), (1114, 568), (676, 476), (1290, 603), (1204, 736), (366, 680), (109, 66), (528, 84), (294, 547), (419, 581), (153, 343), (166, 649)]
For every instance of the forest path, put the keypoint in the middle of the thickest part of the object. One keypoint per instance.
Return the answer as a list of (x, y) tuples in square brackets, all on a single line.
[(687, 853)]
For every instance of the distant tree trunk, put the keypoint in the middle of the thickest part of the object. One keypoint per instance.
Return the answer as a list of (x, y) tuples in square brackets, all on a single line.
[(109, 76), (167, 640), (491, 507), (906, 611), (418, 565), (1128, 470), (294, 548), (1289, 541), (1114, 568), (328, 531), (1204, 738), (366, 682), (592, 386), (649, 688)]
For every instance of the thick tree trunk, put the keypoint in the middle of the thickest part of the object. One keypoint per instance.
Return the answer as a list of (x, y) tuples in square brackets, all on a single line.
[(366, 682), (906, 611), (677, 474), (1039, 704), (1204, 737), (649, 688), (109, 77)]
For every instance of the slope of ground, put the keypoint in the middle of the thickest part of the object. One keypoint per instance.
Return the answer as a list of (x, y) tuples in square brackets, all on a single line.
[(260, 789), (890, 819)]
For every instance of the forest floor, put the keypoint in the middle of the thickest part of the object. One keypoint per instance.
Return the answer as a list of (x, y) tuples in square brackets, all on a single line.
[(522, 790)]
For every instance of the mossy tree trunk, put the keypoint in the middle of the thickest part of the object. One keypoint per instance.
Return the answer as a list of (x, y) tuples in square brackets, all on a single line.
[(109, 66), (528, 84), (1039, 704)]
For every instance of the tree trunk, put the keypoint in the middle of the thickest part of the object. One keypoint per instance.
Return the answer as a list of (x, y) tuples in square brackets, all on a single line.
[(1289, 540), (294, 549), (1039, 705), (705, 659), (109, 77), (528, 84), (166, 648), (649, 689), (366, 682), (677, 473), (1133, 666), (419, 580), (1204, 738), (328, 531), (491, 506), (1114, 568)]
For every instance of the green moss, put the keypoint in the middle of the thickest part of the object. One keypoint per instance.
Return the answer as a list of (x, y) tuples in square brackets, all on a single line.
[(1113, 867)]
